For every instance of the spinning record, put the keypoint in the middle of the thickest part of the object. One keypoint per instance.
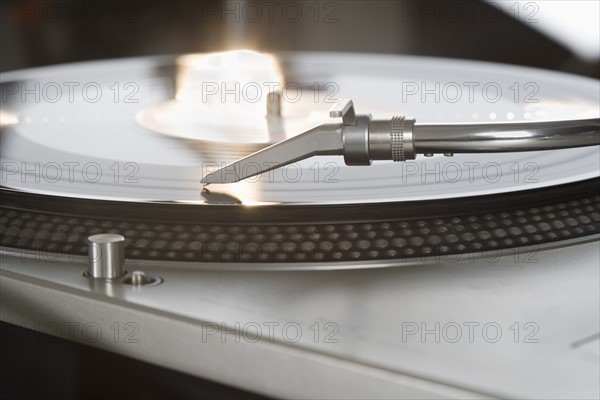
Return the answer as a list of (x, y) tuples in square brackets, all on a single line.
[(121, 146)]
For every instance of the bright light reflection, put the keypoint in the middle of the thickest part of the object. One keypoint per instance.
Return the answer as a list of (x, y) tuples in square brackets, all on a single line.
[(231, 82), (7, 118)]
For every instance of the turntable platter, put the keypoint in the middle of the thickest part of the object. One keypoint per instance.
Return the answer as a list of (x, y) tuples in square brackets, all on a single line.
[(79, 166), (88, 148)]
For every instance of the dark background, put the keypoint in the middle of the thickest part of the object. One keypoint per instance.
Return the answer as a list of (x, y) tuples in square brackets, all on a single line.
[(42, 32)]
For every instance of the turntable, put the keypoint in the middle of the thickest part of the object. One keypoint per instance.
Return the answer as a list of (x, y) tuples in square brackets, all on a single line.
[(192, 199)]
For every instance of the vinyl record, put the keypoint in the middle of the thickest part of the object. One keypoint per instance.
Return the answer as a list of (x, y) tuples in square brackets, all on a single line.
[(118, 153)]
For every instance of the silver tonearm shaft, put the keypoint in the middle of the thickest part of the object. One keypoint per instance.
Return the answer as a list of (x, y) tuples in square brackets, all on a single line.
[(362, 139)]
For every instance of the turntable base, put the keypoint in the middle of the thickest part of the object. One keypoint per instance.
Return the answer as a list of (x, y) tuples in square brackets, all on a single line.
[(358, 337)]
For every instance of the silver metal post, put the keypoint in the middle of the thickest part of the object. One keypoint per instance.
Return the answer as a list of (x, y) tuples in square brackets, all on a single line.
[(106, 253)]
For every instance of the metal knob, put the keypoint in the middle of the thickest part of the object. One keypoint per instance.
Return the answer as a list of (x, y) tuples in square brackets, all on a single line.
[(106, 253), (366, 139)]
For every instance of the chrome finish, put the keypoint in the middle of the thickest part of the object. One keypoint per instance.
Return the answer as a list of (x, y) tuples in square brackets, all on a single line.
[(344, 109), (356, 141), (392, 139), (361, 139), (106, 254), (397, 138), (322, 140), (137, 278), (496, 138), (355, 133)]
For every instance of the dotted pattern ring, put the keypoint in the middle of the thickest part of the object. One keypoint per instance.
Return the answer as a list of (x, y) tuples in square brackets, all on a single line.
[(321, 242), (397, 138)]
